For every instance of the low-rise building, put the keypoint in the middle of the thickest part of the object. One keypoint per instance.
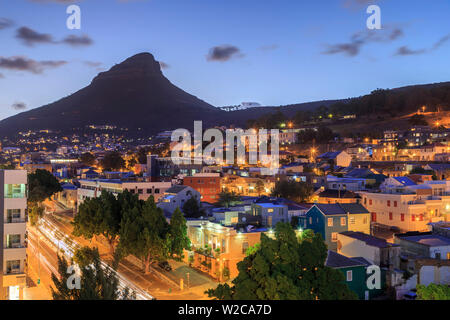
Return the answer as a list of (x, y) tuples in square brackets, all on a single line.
[(331, 219), (176, 196), (375, 250), (408, 209), (217, 249), (270, 213), (208, 184), (93, 188)]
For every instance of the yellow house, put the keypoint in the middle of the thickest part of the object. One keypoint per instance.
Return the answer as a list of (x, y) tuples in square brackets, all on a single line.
[(217, 249)]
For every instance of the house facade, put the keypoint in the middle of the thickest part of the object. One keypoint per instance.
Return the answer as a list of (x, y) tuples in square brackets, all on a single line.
[(331, 219)]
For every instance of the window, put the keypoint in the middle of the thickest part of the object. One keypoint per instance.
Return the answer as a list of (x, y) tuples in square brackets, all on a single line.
[(269, 210), (13, 241), (390, 216), (156, 190), (244, 247), (140, 191), (352, 220), (15, 191), (374, 217), (310, 220), (149, 191), (370, 202), (330, 222), (132, 191), (437, 255), (389, 203), (349, 275), (334, 236), (402, 217), (13, 215), (223, 245), (395, 203), (413, 218), (343, 223), (13, 266)]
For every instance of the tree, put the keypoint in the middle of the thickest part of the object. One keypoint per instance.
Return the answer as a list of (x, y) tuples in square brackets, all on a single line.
[(191, 208), (35, 213), (285, 268), (227, 199), (41, 186), (96, 282), (433, 292), (259, 187), (113, 161), (292, 190), (102, 216), (88, 159), (179, 239), (145, 233)]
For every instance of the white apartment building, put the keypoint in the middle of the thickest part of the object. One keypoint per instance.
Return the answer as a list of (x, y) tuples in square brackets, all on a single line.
[(94, 188), (409, 209), (13, 234)]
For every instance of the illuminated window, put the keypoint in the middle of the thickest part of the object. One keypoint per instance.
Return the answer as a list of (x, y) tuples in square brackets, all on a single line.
[(270, 210), (330, 222), (349, 275), (334, 236), (343, 221), (15, 191)]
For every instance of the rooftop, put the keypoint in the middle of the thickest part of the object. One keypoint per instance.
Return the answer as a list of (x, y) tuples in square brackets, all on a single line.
[(427, 239), (368, 239), (341, 208), (336, 260)]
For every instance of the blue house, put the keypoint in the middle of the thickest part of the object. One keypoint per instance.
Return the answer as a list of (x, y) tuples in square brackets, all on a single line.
[(331, 219)]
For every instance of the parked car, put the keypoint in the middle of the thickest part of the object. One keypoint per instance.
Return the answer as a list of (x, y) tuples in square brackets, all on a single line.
[(410, 295), (165, 265)]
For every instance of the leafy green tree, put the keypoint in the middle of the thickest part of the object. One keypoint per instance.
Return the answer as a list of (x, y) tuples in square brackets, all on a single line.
[(35, 212), (96, 282), (433, 292), (88, 159), (191, 208), (179, 239), (145, 233), (112, 161), (42, 185), (251, 250), (101, 216), (292, 190), (227, 199), (285, 268)]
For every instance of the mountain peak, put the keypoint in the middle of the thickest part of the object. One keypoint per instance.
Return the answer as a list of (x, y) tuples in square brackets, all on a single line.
[(141, 65)]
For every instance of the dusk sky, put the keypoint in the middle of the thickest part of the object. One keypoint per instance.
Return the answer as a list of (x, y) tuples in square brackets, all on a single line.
[(273, 52)]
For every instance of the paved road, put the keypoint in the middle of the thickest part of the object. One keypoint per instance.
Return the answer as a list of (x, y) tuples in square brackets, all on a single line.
[(153, 283)]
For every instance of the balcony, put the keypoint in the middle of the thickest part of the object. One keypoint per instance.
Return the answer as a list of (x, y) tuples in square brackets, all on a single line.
[(15, 220)]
